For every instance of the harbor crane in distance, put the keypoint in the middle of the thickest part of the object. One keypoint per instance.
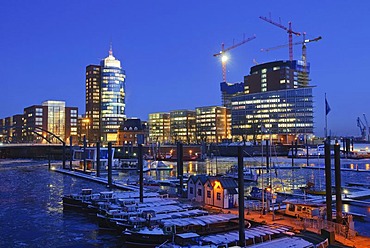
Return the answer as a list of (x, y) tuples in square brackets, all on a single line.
[(289, 31), (362, 127), (224, 58), (367, 128)]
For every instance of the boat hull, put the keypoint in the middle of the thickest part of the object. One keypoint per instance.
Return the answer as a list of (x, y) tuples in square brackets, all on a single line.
[(132, 239)]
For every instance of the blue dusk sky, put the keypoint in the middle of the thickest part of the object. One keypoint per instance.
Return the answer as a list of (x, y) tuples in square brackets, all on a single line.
[(166, 48)]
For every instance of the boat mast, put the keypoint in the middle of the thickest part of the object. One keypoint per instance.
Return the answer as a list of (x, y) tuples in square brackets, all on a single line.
[(263, 195)]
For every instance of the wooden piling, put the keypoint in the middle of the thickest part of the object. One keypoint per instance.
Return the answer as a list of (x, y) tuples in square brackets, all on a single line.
[(241, 197), (329, 200)]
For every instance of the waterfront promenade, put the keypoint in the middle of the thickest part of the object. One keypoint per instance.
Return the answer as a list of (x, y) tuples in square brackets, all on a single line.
[(298, 225)]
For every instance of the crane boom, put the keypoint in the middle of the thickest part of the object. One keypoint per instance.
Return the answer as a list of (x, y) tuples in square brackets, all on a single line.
[(289, 31), (234, 46), (367, 128), (224, 50), (363, 128), (295, 43)]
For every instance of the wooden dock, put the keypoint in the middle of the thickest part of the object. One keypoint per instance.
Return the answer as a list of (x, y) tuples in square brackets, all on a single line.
[(90, 177), (357, 193)]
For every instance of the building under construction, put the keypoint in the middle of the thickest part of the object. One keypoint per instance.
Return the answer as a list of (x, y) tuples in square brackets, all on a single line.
[(277, 103)]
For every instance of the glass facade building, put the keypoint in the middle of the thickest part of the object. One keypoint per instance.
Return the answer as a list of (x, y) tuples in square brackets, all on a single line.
[(56, 118), (182, 126), (213, 124), (112, 98), (228, 91), (159, 127), (282, 115)]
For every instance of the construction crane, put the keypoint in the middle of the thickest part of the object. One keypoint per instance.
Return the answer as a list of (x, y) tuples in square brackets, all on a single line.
[(224, 58), (289, 31), (303, 42), (362, 127)]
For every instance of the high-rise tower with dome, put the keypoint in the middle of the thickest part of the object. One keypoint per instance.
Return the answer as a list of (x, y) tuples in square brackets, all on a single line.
[(105, 99)]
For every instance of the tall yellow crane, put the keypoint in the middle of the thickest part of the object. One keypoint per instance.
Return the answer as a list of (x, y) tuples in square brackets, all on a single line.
[(224, 57)]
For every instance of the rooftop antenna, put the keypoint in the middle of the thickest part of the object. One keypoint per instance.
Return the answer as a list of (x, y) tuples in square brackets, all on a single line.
[(110, 48)]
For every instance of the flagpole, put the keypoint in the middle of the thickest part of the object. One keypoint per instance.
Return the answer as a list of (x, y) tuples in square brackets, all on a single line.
[(326, 119)]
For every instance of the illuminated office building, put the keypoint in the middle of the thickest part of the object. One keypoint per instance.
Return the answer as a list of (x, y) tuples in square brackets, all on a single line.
[(229, 90), (277, 103), (159, 127), (91, 122), (11, 129), (50, 117), (277, 75), (105, 99), (182, 126), (56, 117), (113, 91), (213, 124)]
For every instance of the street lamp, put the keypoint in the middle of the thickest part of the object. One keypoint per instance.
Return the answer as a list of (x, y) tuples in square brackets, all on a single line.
[(86, 121)]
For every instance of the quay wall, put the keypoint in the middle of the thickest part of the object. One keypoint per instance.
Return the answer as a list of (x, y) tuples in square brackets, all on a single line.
[(55, 151)]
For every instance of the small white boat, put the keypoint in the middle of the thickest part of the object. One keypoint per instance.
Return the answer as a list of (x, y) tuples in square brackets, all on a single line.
[(159, 165)]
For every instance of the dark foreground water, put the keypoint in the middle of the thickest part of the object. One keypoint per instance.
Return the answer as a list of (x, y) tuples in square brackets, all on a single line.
[(31, 211)]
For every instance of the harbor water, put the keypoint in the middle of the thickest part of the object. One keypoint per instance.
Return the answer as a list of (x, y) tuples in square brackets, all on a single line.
[(32, 213), (31, 198)]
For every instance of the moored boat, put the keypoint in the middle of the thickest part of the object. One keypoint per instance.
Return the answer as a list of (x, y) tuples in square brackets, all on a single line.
[(202, 225), (248, 173), (159, 165), (80, 200)]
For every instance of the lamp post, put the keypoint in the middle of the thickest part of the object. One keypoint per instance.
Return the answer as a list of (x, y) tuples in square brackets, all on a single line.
[(86, 121)]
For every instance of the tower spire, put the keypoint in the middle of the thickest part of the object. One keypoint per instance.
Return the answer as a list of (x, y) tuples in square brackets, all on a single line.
[(110, 49)]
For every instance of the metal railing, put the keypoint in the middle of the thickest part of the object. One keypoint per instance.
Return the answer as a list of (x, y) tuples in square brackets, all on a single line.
[(316, 225)]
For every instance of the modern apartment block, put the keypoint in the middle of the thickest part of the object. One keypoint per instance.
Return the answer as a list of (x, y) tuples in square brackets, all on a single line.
[(183, 126), (105, 99), (45, 123), (159, 127), (213, 124), (50, 117), (277, 103), (91, 122), (11, 129)]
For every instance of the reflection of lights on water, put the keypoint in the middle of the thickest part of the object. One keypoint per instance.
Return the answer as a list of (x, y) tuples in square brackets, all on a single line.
[(190, 167), (352, 166), (346, 208), (367, 166), (52, 167)]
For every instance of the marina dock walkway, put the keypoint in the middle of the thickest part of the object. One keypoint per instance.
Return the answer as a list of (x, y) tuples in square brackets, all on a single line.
[(279, 218), (101, 180)]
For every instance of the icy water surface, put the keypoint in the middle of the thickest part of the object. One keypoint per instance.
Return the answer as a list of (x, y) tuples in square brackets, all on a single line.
[(32, 213)]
